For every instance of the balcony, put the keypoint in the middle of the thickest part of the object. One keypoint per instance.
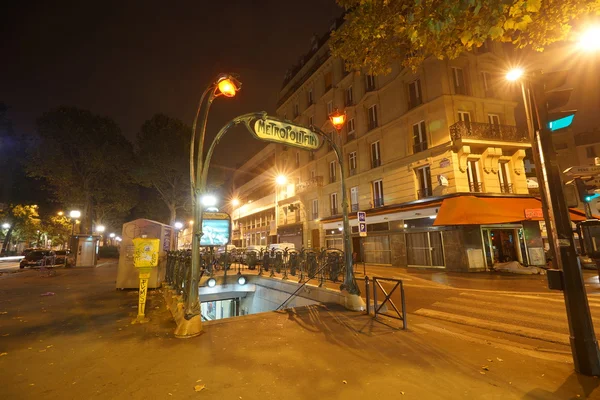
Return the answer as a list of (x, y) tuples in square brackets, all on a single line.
[(315, 216), (352, 172), (482, 131), (334, 211), (506, 188), (350, 137), (419, 147), (476, 187), (310, 184), (354, 207), (377, 202), (372, 124), (348, 102), (331, 178), (415, 102), (424, 193), (375, 162)]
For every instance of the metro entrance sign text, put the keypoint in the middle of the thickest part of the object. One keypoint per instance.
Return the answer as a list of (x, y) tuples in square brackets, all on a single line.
[(273, 130)]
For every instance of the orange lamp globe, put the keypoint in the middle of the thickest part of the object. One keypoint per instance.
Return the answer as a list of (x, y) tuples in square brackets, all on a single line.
[(338, 119), (227, 87)]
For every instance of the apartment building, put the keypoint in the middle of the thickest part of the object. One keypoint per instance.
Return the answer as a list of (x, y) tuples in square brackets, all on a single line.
[(433, 156)]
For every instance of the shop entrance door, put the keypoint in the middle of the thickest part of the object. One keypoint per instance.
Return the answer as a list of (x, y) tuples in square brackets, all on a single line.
[(504, 245)]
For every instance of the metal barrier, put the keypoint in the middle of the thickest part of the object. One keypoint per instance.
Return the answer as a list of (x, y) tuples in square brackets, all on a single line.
[(401, 314)]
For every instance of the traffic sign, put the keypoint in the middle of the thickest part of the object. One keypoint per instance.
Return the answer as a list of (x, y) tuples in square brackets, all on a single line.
[(583, 170), (362, 223)]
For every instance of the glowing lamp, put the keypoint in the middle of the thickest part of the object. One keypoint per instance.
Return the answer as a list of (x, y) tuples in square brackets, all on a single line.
[(514, 74), (590, 39), (227, 87), (338, 119), (281, 180)]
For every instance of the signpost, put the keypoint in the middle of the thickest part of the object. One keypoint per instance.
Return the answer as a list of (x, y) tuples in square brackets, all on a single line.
[(531, 213), (273, 130), (145, 257), (362, 223), (216, 229), (583, 170)]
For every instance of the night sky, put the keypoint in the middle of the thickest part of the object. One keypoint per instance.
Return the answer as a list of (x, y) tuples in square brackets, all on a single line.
[(129, 60)]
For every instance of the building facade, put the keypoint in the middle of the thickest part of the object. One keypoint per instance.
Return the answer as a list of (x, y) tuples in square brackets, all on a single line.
[(433, 156)]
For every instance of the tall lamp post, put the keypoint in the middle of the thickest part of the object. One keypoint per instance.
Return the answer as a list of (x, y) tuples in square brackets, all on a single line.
[(584, 346), (225, 85), (338, 119), (280, 181)]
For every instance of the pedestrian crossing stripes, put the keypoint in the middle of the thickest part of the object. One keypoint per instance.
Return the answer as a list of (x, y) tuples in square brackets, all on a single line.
[(534, 316)]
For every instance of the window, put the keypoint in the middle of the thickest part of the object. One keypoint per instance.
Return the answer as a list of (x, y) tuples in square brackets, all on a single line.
[(297, 159), (315, 209), (590, 152), (332, 172), (378, 193), (350, 130), (313, 174), (475, 184), (311, 121), (486, 78), (328, 80), (296, 110), (369, 83), (424, 182), (354, 198), (310, 97), (375, 155), (311, 156), (504, 177), (352, 163), (464, 116), (458, 79), (329, 107), (419, 137), (414, 94), (333, 202), (494, 119), (349, 97), (373, 117)]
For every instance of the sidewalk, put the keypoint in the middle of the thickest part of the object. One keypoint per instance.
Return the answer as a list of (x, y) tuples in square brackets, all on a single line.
[(78, 343)]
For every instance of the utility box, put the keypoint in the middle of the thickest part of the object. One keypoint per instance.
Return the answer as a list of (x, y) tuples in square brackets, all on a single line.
[(127, 274), (85, 250)]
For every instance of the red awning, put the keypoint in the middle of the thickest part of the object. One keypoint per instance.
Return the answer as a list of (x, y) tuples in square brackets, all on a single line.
[(471, 210)]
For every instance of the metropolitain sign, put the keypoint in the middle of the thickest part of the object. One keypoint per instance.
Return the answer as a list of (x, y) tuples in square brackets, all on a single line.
[(273, 130)]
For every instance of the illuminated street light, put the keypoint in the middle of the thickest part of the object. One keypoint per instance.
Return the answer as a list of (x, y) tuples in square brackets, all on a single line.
[(178, 225), (209, 200), (211, 282), (281, 180), (514, 74), (5, 225), (191, 222), (75, 214), (100, 228), (590, 39), (118, 239), (338, 119), (235, 202), (228, 86), (112, 236), (60, 213)]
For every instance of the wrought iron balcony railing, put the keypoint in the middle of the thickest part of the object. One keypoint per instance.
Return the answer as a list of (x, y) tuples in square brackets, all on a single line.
[(506, 187), (315, 215), (483, 131), (476, 187), (354, 207), (331, 178), (312, 183), (375, 162), (378, 202), (352, 171), (334, 211), (424, 193)]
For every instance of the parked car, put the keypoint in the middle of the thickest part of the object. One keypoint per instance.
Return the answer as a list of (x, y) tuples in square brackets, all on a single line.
[(38, 258), (64, 257), (27, 251)]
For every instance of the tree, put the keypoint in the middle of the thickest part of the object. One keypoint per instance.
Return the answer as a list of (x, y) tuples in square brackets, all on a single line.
[(78, 154), (378, 32), (24, 222), (58, 228), (162, 155)]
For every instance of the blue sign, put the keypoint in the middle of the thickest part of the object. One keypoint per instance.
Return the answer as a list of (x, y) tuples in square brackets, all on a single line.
[(362, 216), (561, 122), (362, 223)]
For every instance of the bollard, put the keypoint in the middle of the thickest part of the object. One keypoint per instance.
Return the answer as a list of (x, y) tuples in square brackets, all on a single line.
[(367, 293)]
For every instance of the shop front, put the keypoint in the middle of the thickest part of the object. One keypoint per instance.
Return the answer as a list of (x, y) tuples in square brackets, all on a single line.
[(291, 234)]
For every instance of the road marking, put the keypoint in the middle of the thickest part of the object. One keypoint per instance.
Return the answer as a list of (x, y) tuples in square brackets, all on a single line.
[(532, 333), (514, 347), (504, 315)]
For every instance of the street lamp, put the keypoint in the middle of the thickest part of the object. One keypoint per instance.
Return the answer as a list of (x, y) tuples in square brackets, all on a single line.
[(209, 200), (338, 119), (590, 39), (584, 346), (225, 85), (100, 228), (5, 225), (74, 214), (280, 180)]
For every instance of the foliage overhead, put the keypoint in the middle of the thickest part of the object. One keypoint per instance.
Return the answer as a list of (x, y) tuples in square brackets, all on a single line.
[(378, 32), (162, 150), (77, 154)]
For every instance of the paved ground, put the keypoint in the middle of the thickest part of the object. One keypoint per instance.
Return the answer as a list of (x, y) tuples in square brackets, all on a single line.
[(67, 335), (9, 266)]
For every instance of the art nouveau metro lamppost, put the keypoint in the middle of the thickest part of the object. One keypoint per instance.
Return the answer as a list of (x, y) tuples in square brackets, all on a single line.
[(280, 180), (338, 120), (225, 85)]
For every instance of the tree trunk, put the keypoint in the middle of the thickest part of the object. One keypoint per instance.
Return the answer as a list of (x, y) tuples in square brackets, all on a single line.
[(7, 238), (173, 211), (88, 217)]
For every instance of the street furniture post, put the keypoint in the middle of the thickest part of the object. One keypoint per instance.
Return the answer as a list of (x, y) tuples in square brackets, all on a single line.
[(145, 258)]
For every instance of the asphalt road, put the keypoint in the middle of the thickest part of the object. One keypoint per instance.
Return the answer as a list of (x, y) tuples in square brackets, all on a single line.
[(7, 266)]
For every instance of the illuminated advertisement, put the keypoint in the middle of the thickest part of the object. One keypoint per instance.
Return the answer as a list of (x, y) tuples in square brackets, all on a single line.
[(216, 229)]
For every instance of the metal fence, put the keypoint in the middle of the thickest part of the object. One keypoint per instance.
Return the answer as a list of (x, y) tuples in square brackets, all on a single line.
[(321, 264), (378, 308)]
